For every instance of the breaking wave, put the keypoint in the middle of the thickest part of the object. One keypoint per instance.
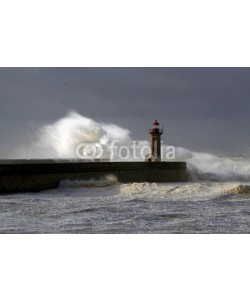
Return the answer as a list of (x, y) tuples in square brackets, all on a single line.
[(240, 189), (208, 167), (105, 181), (61, 138), (191, 191)]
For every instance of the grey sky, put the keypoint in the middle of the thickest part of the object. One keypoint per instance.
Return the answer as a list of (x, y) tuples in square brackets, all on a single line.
[(202, 109)]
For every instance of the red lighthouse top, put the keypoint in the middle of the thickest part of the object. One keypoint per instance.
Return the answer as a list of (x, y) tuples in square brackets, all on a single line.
[(156, 123), (155, 129)]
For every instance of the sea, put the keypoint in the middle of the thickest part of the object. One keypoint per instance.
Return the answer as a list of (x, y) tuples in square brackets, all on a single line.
[(109, 207)]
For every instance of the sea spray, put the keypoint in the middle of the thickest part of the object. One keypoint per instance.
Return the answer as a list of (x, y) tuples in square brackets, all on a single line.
[(63, 136), (60, 140), (204, 166)]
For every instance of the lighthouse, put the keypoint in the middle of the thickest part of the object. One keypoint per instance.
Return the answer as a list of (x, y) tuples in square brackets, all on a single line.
[(155, 133)]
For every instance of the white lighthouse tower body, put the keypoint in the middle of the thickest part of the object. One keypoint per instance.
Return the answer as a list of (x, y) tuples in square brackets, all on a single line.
[(155, 133)]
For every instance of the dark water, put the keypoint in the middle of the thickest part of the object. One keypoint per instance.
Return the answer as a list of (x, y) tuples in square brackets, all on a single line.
[(110, 207)]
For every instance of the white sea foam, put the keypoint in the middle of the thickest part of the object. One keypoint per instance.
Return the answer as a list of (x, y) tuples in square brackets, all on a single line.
[(190, 191), (204, 166)]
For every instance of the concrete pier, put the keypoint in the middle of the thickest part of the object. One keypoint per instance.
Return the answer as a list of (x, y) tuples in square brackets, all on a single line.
[(37, 175)]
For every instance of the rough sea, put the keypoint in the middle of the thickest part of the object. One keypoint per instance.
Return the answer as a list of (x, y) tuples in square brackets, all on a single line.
[(107, 206)]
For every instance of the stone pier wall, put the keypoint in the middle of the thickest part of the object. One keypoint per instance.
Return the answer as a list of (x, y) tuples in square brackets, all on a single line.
[(37, 175)]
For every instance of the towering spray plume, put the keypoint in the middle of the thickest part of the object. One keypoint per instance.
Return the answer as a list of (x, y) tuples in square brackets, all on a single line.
[(63, 136)]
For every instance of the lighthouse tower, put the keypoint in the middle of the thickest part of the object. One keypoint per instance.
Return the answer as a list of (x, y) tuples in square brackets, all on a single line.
[(155, 133)]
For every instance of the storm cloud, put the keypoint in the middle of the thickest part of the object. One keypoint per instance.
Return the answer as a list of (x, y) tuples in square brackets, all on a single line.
[(202, 109)]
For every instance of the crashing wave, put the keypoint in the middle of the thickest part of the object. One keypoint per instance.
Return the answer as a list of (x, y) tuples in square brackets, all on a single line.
[(105, 181)]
